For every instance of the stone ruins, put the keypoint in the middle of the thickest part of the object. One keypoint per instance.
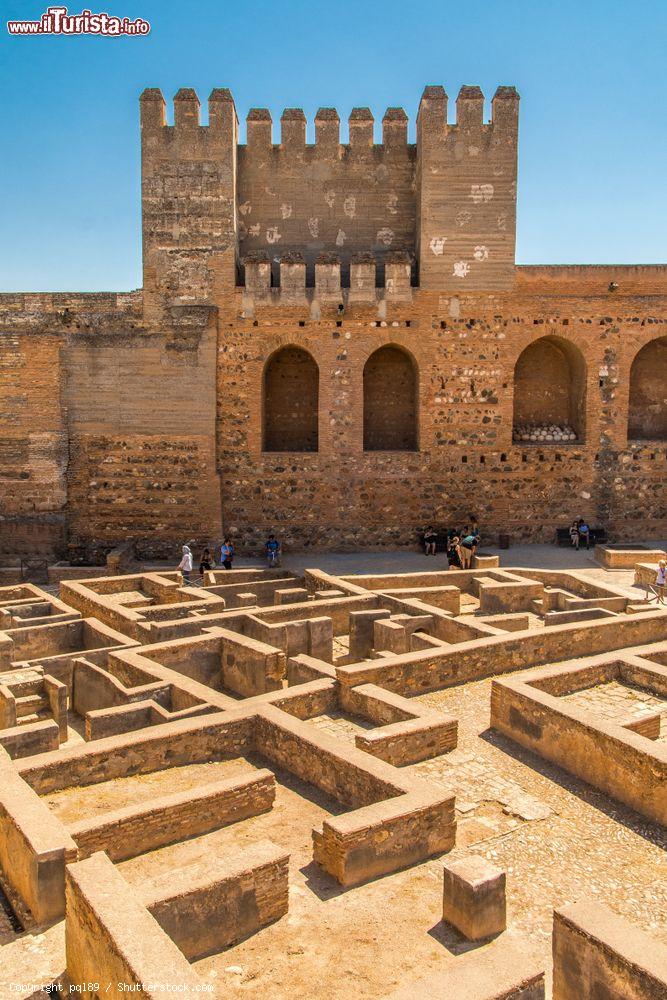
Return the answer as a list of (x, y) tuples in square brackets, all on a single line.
[(332, 340), (445, 784)]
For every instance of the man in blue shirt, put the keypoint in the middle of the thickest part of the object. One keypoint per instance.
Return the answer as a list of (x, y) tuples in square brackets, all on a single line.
[(272, 548)]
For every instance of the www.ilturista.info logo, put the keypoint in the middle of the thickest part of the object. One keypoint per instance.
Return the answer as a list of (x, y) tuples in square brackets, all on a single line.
[(57, 21)]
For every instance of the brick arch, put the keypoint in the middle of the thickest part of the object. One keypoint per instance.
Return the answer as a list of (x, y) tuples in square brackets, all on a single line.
[(647, 405), (550, 385), (290, 401), (390, 400)]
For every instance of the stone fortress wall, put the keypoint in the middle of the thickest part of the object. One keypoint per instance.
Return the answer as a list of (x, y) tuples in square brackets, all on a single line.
[(333, 342)]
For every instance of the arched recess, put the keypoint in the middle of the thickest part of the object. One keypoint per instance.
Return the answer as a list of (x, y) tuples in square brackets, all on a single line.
[(390, 400), (647, 405), (550, 392), (290, 401)]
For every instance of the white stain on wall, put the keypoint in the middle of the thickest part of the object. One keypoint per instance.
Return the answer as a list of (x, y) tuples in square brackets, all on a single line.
[(340, 238), (461, 269), (245, 208), (437, 245), (481, 192), (273, 234), (502, 220), (286, 210), (254, 229), (463, 218), (385, 236), (314, 226), (350, 206), (481, 252), (330, 197), (392, 204)]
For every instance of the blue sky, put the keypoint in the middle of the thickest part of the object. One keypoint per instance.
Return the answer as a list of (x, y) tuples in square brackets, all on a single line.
[(593, 138)]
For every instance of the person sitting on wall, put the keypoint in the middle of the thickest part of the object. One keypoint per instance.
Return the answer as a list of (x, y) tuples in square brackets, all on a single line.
[(574, 534), (227, 553), (206, 561), (185, 565), (584, 533), (430, 539), (273, 551), (454, 552)]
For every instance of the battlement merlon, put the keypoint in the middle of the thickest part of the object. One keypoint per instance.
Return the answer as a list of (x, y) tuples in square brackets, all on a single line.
[(432, 122), (431, 118)]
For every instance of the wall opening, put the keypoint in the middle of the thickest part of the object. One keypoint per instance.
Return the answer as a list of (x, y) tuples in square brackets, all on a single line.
[(390, 401), (291, 398), (647, 408), (550, 393)]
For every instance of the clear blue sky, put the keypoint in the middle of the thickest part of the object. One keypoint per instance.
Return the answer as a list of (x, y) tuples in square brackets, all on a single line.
[(593, 140)]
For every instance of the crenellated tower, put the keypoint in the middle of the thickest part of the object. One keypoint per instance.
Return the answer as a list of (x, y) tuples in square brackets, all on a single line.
[(466, 184), (188, 187), (444, 206)]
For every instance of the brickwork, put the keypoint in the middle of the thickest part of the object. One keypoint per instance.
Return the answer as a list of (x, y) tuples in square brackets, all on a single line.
[(152, 416)]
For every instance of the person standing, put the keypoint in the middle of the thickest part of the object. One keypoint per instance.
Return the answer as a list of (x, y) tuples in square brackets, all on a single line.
[(574, 534), (206, 562), (430, 539), (661, 581), (454, 553), (227, 553), (468, 548), (185, 565)]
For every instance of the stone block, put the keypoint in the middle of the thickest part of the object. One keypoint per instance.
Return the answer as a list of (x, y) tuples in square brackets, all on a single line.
[(474, 897)]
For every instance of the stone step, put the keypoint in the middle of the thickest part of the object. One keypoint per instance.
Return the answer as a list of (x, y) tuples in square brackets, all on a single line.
[(30, 704)]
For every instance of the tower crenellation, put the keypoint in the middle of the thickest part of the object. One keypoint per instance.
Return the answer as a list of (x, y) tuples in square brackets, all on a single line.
[(447, 202)]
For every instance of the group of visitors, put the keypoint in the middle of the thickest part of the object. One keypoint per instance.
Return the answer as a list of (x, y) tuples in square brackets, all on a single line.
[(460, 545), (580, 533), (272, 550)]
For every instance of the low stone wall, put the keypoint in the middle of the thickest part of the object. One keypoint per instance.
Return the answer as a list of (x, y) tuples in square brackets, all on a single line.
[(189, 741), (396, 821), (386, 836), (111, 939), (138, 715), (32, 738), (417, 673), (34, 848), (617, 558), (598, 954), (208, 906), (624, 765), (409, 732), (136, 829)]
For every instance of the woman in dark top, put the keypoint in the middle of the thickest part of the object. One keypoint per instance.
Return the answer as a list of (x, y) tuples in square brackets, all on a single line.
[(454, 553)]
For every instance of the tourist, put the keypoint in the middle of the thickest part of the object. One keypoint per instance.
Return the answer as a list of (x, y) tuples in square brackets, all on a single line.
[(574, 534), (468, 548), (206, 561), (273, 550), (454, 553), (185, 565), (227, 553), (661, 580), (430, 539), (584, 533)]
